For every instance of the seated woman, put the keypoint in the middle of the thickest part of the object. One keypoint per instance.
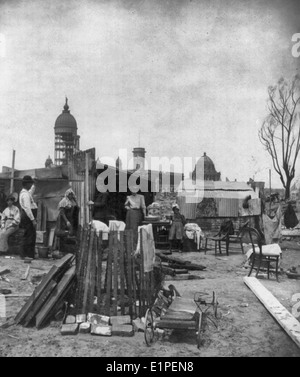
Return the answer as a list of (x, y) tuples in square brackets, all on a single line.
[(10, 221), (67, 221)]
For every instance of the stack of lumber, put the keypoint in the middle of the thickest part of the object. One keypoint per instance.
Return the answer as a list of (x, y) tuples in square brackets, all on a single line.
[(177, 268), (49, 295)]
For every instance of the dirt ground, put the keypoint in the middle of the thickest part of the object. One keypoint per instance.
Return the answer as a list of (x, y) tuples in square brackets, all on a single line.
[(244, 330)]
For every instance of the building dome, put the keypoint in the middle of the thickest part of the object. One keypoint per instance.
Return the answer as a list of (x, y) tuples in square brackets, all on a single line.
[(65, 122), (206, 170)]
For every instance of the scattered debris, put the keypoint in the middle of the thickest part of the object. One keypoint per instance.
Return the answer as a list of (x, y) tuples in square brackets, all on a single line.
[(26, 274), (4, 271)]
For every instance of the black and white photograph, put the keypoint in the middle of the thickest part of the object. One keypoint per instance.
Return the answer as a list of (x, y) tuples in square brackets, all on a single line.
[(149, 181)]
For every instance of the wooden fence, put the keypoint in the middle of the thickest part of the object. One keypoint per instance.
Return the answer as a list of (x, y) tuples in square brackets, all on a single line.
[(110, 279)]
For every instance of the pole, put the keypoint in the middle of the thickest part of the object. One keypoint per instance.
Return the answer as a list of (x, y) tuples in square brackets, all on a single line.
[(12, 172)]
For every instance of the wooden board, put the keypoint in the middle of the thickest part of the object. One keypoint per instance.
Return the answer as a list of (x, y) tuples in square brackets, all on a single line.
[(173, 324), (4, 271), (178, 316), (183, 277), (122, 273), (55, 297), (115, 272), (285, 319), (40, 302), (54, 271), (179, 263)]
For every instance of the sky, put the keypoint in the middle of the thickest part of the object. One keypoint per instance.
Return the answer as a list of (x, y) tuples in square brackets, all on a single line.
[(179, 78)]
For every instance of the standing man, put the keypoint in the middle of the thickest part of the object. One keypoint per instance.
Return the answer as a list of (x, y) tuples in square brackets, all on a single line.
[(28, 216)]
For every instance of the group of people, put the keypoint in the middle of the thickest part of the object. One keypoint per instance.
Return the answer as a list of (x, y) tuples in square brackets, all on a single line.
[(24, 216)]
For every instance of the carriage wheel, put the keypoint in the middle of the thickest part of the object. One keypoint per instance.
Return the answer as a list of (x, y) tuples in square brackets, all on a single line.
[(199, 329), (149, 327)]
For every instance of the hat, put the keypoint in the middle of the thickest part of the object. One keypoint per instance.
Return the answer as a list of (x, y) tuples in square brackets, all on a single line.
[(13, 197), (175, 206), (27, 179)]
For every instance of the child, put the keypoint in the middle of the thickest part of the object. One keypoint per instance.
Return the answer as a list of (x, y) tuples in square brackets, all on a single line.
[(176, 230)]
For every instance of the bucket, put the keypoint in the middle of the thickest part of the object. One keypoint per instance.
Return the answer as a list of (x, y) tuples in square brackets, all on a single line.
[(43, 251)]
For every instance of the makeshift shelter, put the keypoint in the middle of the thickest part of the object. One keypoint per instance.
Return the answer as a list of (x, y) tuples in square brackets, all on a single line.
[(209, 203)]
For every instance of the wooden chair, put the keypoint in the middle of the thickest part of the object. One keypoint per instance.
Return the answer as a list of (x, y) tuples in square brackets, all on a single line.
[(221, 236), (237, 236), (261, 254)]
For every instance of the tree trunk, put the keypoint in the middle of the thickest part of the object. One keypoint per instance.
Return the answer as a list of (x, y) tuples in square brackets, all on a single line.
[(288, 188)]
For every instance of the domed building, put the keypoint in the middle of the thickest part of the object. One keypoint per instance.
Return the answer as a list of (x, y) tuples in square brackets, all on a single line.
[(66, 138), (205, 170)]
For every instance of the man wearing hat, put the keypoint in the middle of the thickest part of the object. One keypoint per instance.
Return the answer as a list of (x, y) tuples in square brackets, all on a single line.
[(28, 216), (10, 220)]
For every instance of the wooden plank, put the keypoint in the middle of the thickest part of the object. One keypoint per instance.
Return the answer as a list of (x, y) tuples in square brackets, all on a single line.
[(174, 324), (109, 275), (80, 269), (178, 316), (115, 272), (4, 271), (122, 277), (26, 273), (17, 295), (54, 271), (142, 279), (285, 319), (171, 259), (55, 297), (93, 274), (129, 273), (40, 302), (99, 272), (87, 280), (183, 277)]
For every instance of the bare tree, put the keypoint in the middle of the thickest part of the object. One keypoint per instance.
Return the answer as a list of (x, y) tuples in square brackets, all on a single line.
[(280, 131)]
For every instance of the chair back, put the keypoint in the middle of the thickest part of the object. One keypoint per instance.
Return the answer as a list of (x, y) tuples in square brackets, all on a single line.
[(227, 228), (252, 236)]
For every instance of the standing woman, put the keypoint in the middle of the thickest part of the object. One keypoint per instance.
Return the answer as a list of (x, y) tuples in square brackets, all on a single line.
[(9, 222), (28, 216), (136, 211)]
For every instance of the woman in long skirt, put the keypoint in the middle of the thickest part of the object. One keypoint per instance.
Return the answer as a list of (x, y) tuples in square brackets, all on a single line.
[(136, 211)]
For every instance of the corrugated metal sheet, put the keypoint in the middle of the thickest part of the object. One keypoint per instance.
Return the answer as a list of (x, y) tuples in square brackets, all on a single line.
[(228, 207)]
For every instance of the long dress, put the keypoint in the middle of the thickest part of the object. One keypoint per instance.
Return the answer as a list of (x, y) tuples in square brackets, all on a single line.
[(136, 210), (9, 224)]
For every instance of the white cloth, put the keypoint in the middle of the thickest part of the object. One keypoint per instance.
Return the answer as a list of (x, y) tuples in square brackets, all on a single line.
[(269, 250), (99, 226), (27, 202), (194, 232), (116, 226), (148, 246)]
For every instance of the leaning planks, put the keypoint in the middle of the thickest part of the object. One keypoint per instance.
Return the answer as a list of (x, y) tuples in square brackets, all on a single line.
[(55, 271), (278, 311), (59, 292)]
